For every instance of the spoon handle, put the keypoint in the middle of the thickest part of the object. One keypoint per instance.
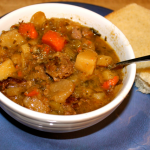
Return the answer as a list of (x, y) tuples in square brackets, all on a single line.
[(139, 59)]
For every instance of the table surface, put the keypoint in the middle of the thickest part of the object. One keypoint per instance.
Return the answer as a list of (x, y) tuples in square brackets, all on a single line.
[(10, 5)]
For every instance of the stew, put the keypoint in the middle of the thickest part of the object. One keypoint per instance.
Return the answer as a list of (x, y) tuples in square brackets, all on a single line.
[(57, 66)]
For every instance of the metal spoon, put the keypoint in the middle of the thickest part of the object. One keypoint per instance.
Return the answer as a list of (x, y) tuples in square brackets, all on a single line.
[(130, 61)]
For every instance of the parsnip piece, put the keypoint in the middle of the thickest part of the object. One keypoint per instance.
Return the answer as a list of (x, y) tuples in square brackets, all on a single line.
[(86, 61), (61, 90), (16, 59), (56, 106), (35, 104), (6, 68), (38, 18), (2, 52), (33, 41), (14, 91), (104, 60), (11, 39), (108, 74), (98, 96), (25, 48)]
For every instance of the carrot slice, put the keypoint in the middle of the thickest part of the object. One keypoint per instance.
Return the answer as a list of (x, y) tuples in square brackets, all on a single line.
[(32, 93), (28, 30), (54, 39), (19, 74), (46, 49), (112, 82)]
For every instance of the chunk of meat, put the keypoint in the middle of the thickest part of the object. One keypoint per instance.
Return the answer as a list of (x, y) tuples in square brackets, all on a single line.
[(76, 33), (87, 44), (87, 33), (11, 81), (73, 103), (40, 73), (59, 67), (68, 110)]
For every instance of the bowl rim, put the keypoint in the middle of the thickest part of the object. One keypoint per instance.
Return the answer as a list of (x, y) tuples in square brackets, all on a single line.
[(70, 118)]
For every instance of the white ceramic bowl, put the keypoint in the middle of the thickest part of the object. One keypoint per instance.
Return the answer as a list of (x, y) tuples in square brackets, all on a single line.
[(58, 123)]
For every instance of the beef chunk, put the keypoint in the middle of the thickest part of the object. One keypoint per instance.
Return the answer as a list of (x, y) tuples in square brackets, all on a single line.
[(59, 67), (8, 81)]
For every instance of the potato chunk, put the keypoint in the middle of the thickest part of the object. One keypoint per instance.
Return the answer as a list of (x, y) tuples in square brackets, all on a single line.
[(98, 96), (86, 61), (16, 59), (14, 91), (60, 91), (25, 48), (35, 104), (11, 39), (6, 68), (108, 74), (38, 18), (104, 60)]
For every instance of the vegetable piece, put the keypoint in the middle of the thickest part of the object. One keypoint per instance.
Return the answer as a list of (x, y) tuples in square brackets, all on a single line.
[(104, 60), (16, 59), (38, 18), (11, 39), (28, 30), (35, 104), (54, 39), (60, 91), (7, 68), (112, 82), (25, 48), (86, 61), (19, 73), (108, 74), (46, 49), (79, 49), (98, 96), (32, 93), (14, 91), (33, 41)]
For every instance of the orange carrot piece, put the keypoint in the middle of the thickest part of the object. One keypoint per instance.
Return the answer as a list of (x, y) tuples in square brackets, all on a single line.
[(54, 39), (32, 93), (89, 42), (19, 74), (28, 30), (46, 49), (41, 46), (112, 82), (17, 66), (79, 49)]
